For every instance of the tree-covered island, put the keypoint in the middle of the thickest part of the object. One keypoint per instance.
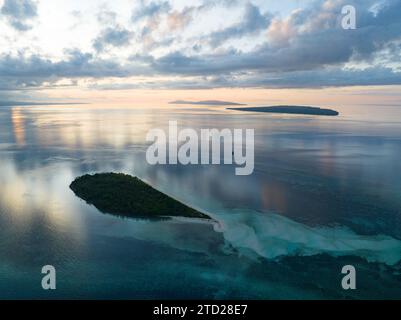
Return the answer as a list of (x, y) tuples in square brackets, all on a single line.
[(128, 196)]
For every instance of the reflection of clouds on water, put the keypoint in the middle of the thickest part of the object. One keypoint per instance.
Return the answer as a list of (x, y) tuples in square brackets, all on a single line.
[(272, 236), (38, 189), (73, 141), (73, 126), (314, 173), (38, 221)]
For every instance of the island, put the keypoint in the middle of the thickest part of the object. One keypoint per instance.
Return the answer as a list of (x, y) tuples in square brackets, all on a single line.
[(291, 110), (208, 103), (124, 195)]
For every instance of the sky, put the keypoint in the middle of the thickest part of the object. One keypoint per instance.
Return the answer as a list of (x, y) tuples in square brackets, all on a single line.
[(74, 49)]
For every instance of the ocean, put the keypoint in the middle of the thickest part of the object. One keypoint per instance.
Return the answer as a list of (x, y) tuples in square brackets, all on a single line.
[(325, 193)]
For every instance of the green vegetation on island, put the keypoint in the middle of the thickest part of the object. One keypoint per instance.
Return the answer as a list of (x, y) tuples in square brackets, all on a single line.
[(128, 196), (291, 110)]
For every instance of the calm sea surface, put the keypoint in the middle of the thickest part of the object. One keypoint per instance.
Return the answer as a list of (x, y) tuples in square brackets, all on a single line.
[(326, 192)]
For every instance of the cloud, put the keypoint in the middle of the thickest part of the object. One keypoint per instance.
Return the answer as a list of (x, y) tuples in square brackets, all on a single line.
[(311, 46), (150, 9), (116, 36), (19, 13), (112, 33), (178, 20), (252, 22), (107, 17), (20, 71), (332, 77), (306, 48), (161, 17), (329, 77)]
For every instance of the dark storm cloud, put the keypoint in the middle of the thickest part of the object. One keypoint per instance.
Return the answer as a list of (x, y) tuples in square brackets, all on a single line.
[(19, 13)]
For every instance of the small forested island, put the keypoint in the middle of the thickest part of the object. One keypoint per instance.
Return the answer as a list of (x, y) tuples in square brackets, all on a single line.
[(128, 196), (291, 110)]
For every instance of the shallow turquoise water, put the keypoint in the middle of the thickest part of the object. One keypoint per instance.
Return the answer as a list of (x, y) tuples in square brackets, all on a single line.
[(325, 193)]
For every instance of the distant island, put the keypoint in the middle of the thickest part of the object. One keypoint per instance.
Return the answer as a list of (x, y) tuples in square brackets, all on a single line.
[(291, 110), (128, 196), (208, 103)]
